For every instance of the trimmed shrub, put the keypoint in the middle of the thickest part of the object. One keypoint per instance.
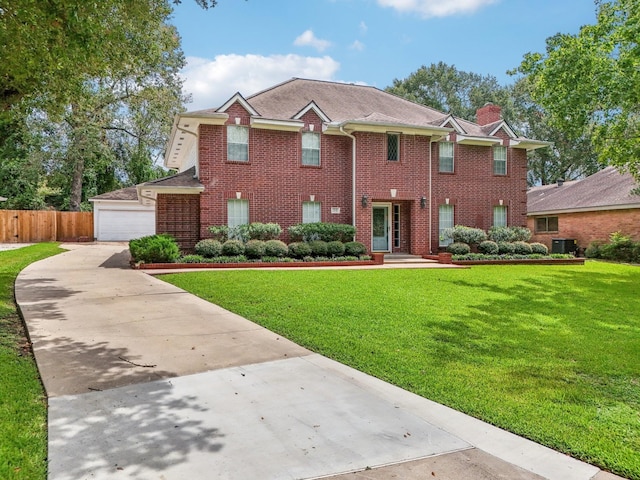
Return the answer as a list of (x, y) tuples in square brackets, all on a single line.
[(219, 232), (506, 248), (501, 234), (275, 248), (488, 248), (593, 250), (208, 248), (459, 248), (160, 248), (264, 231), (335, 248), (299, 250), (468, 235), (522, 248), (354, 249), (254, 249), (539, 248), (520, 234), (232, 248), (240, 233), (307, 232), (318, 248)]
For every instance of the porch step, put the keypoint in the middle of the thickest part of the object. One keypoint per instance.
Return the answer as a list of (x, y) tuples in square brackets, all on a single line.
[(405, 258)]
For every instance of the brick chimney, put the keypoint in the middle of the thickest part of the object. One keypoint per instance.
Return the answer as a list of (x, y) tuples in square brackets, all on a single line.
[(488, 114)]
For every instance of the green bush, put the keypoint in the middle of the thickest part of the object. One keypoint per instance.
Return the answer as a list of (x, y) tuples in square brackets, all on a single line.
[(255, 249), (459, 248), (509, 234), (318, 248), (593, 250), (229, 259), (307, 232), (522, 248), (488, 247), (520, 234), (240, 233), (299, 249), (161, 248), (506, 248), (620, 248), (264, 231), (208, 248), (539, 248), (335, 248), (192, 259), (354, 249), (275, 248), (219, 232), (232, 248), (468, 235)]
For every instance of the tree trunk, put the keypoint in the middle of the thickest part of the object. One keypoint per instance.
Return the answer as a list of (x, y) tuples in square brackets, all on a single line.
[(75, 196)]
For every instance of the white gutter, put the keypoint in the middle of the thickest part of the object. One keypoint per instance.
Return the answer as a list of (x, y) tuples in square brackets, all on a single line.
[(353, 173), (431, 141)]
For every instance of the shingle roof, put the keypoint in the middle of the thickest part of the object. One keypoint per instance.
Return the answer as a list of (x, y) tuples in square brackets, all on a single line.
[(606, 188), (182, 179), (129, 193)]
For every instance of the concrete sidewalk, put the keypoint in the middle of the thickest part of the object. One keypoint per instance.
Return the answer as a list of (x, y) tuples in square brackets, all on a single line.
[(147, 381)]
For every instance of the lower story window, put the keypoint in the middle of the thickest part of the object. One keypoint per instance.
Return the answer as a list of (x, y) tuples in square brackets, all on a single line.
[(237, 212), (311, 212), (445, 220), (500, 216), (547, 224)]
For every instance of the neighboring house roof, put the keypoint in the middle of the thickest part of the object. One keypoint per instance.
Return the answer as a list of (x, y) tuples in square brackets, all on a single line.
[(344, 108), (129, 193), (607, 189)]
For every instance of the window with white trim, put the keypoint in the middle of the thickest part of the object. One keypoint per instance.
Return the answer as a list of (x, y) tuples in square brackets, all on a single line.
[(499, 160), (310, 148), (237, 143), (500, 216), (393, 147), (446, 157), (445, 220), (311, 212), (237, 212)]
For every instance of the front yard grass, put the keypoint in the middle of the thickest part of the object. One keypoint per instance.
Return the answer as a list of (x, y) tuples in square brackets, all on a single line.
[(23, 407), (551, 353)]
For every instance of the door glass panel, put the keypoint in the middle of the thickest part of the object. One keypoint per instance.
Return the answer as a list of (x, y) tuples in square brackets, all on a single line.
[(380, 228)]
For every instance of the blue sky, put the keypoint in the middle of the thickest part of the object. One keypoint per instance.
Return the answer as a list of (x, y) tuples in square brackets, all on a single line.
[(249, 45)]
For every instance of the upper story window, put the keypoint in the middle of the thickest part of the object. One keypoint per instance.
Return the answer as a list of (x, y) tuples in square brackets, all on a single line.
[(500, 216), (446, 157), (237, 143), (310, 148), (547, 224), (311, 212), (499, 160), (393, 147)]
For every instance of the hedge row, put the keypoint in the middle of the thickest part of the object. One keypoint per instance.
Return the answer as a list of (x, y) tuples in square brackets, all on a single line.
[(620, 248)]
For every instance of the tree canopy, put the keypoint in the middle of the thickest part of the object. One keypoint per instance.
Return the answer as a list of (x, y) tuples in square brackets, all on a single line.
[(589, 83)]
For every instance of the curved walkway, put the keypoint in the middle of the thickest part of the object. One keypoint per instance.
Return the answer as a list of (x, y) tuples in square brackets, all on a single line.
[(146, 381)]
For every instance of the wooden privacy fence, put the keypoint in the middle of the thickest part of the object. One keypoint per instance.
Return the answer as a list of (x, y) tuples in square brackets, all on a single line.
[(27, 226)]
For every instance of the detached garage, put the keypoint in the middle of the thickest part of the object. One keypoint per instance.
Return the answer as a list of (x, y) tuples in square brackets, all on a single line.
[(118, 216)]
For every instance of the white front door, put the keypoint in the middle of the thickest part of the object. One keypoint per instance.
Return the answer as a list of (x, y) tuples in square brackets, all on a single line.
[(381, 228)]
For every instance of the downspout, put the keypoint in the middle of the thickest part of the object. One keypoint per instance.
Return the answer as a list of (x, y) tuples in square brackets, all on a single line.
[(431, 141), (353, 176)]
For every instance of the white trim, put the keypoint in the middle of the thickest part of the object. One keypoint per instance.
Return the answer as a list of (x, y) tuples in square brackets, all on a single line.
[(507, 128), (389, 208), (377, 127), (312, 106), (528, 144), (602, 208), (451, 119), (482, 141), (240, 99), (270, 124)]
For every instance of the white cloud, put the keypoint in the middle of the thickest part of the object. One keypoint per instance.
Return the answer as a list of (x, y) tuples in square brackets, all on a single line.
[(357, 45), (436, 8), (308, 38), (212, 82), (363, 27)]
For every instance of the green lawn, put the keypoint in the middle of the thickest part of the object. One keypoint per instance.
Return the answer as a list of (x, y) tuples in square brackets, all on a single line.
[(548, 352), (23, 409)]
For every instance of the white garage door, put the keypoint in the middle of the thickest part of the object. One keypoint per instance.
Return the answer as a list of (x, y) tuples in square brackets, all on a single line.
[(124, 225)]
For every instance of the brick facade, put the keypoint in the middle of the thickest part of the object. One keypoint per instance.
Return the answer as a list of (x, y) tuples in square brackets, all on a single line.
[(587, 227), (179, 216)]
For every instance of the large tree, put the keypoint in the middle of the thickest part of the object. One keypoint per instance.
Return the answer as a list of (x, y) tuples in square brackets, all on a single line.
[(589, 83)]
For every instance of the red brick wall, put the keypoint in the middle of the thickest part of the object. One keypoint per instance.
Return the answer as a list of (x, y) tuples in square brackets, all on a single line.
[(274, 181), (179, 216), (587, 227)]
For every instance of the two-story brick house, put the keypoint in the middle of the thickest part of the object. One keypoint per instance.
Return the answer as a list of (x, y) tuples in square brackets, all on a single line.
[(307, 150)]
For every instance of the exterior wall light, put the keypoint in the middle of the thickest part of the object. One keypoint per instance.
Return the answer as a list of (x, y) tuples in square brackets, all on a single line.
[(365, 201), (423, 202)]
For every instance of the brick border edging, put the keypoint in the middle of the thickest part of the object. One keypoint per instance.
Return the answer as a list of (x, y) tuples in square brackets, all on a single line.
[(549, 261)]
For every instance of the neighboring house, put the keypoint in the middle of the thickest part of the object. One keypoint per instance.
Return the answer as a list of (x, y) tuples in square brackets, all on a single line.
[(585, 210), (308, 151), (119, 216)]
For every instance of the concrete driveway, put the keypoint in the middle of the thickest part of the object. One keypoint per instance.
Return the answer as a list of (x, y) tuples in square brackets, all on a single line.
[(146, 381)]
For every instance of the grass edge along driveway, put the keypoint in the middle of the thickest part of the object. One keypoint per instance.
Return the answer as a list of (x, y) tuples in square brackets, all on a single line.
[(551, 353), (23, 405)]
